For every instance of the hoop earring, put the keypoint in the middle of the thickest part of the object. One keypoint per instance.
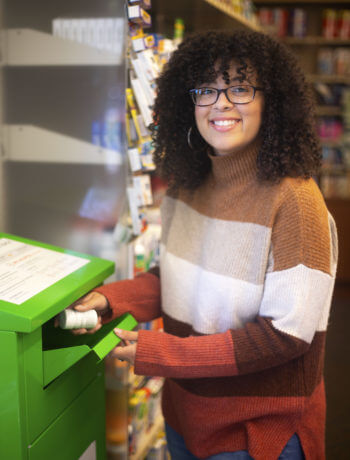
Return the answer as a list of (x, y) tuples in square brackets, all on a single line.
[(189, 138)]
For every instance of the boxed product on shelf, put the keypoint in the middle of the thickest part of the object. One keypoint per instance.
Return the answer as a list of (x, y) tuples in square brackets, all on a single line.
[(133, 122), (143, 130), (140, 158), (298, 22), (142, 101), (134, 159), (142, 185), (325, 61), (138, 15), (145, 71), (281, 18), (146, 156), (137, 217), (149, 65), (342, 61), (146, 84), (282, 21), (329, 23), (140, 41), (139, 197), (165, 48), (266, 20), (333, 61), (343, 24), (336, 23)]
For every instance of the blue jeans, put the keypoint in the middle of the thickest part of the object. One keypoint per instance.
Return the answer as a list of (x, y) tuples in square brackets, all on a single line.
[(179, 451)]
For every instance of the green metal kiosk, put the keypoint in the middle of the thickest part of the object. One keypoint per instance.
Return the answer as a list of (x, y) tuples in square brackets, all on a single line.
[(52, 396)]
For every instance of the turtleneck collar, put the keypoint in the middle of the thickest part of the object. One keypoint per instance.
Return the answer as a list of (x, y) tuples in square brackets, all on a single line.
[(237, 167)]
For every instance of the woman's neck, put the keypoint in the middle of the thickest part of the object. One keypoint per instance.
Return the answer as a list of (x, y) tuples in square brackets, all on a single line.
[(236, 167)]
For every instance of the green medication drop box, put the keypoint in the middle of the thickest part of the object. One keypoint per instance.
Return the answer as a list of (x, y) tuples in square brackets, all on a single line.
[(52, 394)]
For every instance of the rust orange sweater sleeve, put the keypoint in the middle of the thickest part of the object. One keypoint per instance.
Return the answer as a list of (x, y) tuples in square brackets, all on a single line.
[(140, 297)]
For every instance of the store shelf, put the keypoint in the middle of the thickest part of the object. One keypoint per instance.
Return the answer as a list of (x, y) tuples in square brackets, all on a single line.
[(331, 111), (26, 47), (331, 144), (315, 40), (329, 78), (27, 143), (335, 170), (148, 440), (228, 10)]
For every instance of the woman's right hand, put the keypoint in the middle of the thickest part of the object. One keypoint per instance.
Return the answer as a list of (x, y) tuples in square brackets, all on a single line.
[(92, 301)]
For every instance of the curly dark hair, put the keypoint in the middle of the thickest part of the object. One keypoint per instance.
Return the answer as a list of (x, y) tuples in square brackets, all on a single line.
[(289, 144)]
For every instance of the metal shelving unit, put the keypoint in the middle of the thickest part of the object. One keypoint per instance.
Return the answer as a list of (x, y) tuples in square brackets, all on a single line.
[(26, 47), (27, 143)]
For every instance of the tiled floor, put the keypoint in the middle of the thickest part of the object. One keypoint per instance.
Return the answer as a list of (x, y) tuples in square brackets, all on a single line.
[(337, 377)]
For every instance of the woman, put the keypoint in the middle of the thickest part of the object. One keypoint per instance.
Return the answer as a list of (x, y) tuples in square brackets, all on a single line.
[(248, 256)]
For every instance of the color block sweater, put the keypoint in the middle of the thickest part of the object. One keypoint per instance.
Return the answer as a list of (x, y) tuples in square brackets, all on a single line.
[(246, 279)]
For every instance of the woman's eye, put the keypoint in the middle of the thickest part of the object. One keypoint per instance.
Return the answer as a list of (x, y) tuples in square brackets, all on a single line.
[(205, 91), (239, 89)]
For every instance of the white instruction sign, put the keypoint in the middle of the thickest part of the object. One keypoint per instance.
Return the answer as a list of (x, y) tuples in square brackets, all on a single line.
[(26, 270)]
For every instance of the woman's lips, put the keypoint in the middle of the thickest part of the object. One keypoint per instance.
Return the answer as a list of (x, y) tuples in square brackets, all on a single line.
[(223, 125)]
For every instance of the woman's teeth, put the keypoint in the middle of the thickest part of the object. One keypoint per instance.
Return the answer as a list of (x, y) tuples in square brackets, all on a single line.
[(224, 122)]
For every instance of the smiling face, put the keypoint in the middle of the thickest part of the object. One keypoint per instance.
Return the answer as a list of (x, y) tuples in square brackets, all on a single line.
[(229, 127)]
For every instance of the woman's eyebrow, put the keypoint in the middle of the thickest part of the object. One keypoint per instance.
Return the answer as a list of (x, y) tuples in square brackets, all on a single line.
[(238, 78)]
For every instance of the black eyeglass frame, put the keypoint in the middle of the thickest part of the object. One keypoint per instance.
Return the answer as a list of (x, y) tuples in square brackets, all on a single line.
[(192, 93)]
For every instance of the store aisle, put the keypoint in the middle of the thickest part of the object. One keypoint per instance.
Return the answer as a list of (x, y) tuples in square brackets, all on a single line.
[(337, 377)]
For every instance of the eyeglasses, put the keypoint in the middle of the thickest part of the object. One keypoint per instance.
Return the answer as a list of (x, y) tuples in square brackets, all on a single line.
[(238, 94)]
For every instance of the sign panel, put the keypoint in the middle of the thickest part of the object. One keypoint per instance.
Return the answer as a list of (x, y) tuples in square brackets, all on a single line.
[(26, 270)]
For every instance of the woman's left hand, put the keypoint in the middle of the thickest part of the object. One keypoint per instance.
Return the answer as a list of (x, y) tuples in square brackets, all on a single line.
[(126, 350)]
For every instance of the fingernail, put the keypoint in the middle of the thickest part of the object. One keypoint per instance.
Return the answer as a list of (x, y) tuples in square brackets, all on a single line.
[(118, 331)]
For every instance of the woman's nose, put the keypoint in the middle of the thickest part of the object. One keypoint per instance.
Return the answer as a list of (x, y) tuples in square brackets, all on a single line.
[(223, 102)]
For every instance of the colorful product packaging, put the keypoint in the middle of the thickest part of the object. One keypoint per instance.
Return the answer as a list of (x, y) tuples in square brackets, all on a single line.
[(329, 23), (298, 22), (280, 19), (343, 28)]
